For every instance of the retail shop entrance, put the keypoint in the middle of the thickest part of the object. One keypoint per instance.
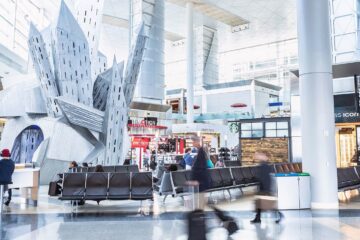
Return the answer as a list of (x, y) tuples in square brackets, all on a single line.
[(347, 135), (347, 144)]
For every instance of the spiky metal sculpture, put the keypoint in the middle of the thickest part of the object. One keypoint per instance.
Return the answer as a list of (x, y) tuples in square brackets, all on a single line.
[(79, 110)]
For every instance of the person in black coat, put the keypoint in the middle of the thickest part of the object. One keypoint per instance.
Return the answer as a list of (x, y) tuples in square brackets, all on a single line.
[(199, 171), (7, 167)]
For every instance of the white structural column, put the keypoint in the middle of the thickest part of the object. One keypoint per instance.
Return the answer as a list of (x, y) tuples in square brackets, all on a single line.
[(190, 62), (317, 103)]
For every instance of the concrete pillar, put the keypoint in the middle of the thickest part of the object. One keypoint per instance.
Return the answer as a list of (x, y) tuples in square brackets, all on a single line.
[(190, 62), (317, 103)]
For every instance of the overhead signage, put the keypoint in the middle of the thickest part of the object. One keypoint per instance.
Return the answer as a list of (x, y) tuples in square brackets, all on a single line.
[(275, 104), (146, 121), (347, 117), (209, 130), (140, 142), (143, 125)]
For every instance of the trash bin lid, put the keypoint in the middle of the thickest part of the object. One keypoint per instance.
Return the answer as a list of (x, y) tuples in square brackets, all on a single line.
[(286, 174), (304, 174)]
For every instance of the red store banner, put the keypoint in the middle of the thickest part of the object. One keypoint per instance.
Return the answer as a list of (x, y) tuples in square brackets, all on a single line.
[(140, 142)]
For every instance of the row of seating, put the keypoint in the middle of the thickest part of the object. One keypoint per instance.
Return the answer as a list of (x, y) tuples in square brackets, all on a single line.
[(348, 178), (111, 186), (231, 163), (115, 168), (174, 183), (278, 167)]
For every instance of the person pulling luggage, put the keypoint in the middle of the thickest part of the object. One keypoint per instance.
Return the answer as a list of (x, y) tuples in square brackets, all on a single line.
[(197, 218)]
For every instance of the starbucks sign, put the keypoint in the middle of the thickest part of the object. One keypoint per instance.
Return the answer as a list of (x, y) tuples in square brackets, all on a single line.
[(234, 127)]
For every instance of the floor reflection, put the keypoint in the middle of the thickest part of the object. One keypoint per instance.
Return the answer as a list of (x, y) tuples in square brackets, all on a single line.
[(158, 221)]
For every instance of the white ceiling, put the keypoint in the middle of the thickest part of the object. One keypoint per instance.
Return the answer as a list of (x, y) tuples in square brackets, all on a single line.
[(270, 20)]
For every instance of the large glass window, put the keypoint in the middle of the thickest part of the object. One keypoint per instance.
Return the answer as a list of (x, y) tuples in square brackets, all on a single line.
[(252, 130), (276, 129), (345, 14), (257, 130)]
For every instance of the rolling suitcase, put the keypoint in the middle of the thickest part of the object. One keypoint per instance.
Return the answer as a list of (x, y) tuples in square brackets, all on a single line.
[(196, 217), (53, 189), (228, 222), (197, 225)]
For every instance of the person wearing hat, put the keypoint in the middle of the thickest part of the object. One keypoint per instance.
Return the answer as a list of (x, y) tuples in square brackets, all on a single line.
[(7, 167)]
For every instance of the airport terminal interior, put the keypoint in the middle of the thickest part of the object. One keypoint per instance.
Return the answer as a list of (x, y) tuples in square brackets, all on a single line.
[(179, 119)]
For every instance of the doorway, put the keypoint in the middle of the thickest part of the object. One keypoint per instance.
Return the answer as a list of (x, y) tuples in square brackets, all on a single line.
[(347, 146), (26, 144)]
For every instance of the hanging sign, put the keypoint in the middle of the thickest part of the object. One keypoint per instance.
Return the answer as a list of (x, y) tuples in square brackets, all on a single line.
[(275, 104), (140, 142)]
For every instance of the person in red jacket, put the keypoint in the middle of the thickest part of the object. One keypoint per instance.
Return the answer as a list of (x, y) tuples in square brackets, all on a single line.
[(7, 167)]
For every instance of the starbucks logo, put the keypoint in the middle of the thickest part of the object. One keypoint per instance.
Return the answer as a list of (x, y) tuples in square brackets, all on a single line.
[(234, 127)]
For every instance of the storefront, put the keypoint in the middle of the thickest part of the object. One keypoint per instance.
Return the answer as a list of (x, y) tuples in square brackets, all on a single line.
[(270, 137), (347, 138), (147, 123), (212, 136)]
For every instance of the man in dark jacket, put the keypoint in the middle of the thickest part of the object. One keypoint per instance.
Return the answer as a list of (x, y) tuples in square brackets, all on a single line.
[(7, 167)]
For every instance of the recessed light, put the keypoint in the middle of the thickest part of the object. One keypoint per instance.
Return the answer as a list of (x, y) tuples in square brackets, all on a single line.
[(6, 73)]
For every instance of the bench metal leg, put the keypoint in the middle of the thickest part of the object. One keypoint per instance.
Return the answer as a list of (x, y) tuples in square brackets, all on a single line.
[(228, 190), (242, 192), (345, 196), (1, 198), (165, 196), (141, 210), (74, 206), (210, 196)]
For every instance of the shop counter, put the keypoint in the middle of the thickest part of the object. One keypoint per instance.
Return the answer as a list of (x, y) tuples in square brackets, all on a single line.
[(27, 180), (293, 190)]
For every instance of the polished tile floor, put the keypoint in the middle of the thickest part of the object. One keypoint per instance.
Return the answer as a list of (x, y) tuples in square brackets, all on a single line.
[(155, 220)]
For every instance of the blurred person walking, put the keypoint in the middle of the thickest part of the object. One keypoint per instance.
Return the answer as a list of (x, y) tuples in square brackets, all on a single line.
[(200, 175), (200, 182), (201, 178), (265, 197)]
